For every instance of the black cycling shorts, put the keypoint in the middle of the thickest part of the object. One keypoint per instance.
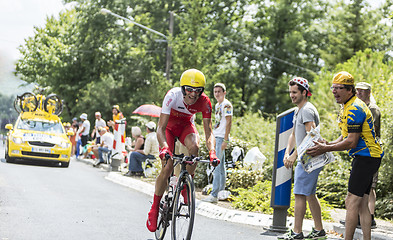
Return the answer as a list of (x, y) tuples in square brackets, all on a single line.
[(363, 169)]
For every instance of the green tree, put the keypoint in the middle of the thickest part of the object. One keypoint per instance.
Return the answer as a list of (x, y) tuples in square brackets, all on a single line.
[(354, 27), (7, 111), (288, 36)]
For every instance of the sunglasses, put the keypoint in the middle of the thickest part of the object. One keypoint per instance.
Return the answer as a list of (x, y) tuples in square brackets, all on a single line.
[(336, 88), (192, 89)]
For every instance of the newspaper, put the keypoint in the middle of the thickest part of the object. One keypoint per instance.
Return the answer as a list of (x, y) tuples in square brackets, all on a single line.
[(310, 163)]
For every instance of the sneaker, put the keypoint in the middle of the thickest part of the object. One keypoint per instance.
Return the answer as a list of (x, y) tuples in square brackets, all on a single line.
[(373, 224), (210, 199), (342, 222), (97, 163), (314, 234), (291, 235)]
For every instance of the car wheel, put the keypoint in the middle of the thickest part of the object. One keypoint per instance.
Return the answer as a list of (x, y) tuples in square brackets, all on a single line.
[(65, 164), (8, 159)]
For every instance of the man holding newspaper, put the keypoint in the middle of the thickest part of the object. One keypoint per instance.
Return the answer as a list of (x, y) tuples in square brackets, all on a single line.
[(359, 139), (305, 120)]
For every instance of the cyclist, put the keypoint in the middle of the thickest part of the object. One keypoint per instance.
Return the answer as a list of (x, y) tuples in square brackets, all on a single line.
[(176, 120)]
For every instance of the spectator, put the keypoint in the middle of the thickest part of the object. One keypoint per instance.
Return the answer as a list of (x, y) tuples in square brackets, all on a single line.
[(99, 123), (221, 130), (358, 138), (85, 129), (363, 91), (138, 142), (305, 118), (150, 150), (74, 128), (106, 143), (117, 115), (78, 139), (67, 126)]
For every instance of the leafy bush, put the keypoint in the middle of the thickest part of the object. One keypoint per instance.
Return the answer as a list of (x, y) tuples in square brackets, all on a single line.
[(257, 199), (333, 182), (200, 177), (243, 178)]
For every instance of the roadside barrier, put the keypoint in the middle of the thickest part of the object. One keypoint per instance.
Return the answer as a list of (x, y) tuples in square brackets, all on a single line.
[(281, 183)]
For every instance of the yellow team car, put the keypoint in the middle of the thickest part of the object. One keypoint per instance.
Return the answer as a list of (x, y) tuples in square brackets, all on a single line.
[(40, 136)]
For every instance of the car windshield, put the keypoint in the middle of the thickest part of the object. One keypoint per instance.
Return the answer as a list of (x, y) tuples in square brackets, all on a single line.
[(42, 126)]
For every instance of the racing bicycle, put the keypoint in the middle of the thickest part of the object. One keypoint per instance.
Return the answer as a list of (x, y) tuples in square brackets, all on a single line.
[(30, 102), (176, 208)]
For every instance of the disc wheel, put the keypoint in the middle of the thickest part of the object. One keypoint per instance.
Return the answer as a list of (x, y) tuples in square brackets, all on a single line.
[(163, 221), (53, 104), (183, 209), (28, 102)]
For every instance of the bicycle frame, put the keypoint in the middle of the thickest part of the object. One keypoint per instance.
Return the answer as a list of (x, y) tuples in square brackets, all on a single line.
[(171, 207)]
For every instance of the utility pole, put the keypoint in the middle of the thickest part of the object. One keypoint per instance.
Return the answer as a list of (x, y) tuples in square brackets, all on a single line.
[(169, 48)]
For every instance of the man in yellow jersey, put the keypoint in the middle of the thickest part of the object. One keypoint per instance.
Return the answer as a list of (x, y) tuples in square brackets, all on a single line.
[(359, 139)]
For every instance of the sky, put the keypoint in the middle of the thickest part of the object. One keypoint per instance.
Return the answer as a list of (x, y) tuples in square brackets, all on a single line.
[(18, 18), (17, 21)]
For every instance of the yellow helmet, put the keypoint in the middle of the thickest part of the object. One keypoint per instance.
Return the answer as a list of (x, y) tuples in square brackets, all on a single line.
[(193, 78)]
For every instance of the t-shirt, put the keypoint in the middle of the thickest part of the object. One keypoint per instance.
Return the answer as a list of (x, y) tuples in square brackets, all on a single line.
[(308, 113), (86, 125), (107, 140), (151, 144), (100, 123), (355, 116), (180, 112), (377, 118), (222, 110)]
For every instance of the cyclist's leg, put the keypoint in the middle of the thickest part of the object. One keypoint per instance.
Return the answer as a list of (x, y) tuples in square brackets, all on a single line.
[(161, 184), (190, 139)]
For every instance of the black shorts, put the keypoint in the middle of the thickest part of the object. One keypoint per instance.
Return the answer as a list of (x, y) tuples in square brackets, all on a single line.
[(84, 139), (363, 169)]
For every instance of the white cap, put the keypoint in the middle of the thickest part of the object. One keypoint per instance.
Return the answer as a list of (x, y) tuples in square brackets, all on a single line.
[(83, 116), (363, 85), (151, 125)]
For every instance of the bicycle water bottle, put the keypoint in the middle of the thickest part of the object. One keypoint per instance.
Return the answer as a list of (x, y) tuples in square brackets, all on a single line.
[(173, 182)]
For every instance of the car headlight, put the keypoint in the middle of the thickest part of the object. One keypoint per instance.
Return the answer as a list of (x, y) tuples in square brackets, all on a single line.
[(17, 140), (64, 145)]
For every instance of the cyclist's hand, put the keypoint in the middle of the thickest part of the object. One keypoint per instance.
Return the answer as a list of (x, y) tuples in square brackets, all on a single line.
[(163, 153), (214, 161)]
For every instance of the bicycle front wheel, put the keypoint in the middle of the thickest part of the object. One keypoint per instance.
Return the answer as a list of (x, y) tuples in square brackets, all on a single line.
[(163, 220), (183, 209)]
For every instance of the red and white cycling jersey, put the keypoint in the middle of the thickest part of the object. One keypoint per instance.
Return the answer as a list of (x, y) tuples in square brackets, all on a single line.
[(179, 111)]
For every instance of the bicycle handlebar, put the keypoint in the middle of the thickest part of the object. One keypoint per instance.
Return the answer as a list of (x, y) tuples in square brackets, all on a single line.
[(187, 159)]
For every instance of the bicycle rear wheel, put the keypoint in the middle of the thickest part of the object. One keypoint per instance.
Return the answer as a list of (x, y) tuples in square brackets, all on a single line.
[(183, 209), (163, 220)]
